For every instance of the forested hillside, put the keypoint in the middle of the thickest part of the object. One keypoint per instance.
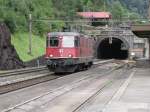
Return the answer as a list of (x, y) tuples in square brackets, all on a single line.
[(139, 6), (15, 12)]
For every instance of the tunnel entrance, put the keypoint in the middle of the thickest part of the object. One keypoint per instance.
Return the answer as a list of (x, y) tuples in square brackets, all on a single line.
[(114, 49)]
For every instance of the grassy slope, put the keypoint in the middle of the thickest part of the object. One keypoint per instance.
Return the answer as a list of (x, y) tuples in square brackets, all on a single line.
[(21, 42)]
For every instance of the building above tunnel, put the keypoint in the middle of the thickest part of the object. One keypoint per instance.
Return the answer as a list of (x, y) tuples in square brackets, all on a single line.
[(95, 15), (96, 18)]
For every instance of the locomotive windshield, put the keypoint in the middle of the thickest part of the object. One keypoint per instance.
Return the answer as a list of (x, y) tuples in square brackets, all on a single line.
[(54, 41), (68, 41)]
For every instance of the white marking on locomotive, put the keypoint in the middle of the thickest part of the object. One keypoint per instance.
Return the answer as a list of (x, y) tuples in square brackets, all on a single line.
[(61, 50)]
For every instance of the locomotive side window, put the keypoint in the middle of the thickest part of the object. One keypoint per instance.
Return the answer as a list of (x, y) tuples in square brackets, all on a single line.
[(68, 41), (54, 41), (77, 42)]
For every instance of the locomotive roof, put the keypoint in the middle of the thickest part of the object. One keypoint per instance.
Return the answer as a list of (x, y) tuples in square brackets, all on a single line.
[(64, 33)]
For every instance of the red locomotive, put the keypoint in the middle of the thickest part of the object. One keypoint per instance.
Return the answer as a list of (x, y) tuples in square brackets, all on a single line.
[(68, 51)]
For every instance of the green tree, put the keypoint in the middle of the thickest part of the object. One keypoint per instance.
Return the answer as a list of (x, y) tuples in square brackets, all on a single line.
[(117, 10), (15, 12)]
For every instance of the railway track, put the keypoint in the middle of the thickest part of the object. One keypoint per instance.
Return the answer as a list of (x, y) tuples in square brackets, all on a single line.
[(51, 95), (93, 96), (101, 93), (21, 71), (17, 79)]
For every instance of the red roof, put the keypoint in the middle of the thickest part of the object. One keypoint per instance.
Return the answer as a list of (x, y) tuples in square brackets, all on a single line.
[(97, 15)]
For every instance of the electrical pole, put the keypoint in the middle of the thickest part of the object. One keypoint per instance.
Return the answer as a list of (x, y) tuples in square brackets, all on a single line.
[(149, 20), (30, 34), (104, 5)]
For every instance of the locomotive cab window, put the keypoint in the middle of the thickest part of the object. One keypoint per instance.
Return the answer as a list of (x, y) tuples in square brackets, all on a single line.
[(54, 42), (68, 41)]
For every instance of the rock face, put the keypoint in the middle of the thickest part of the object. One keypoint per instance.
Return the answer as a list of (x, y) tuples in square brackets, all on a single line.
[(9, 58)]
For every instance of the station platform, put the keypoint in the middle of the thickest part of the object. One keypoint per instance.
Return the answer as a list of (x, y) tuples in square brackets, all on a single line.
[(134, 94)]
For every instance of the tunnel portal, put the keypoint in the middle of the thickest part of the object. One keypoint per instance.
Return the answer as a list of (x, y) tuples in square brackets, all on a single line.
[(114, 49)]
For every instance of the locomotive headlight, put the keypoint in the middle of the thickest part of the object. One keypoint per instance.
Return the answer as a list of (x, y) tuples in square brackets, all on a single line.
[(51, 55), (60, 37), (132, 54), (70, 55)]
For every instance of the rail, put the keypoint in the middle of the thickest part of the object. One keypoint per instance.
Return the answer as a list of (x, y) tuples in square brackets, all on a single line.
[(21, 71), (58, 92), (26, 80)]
